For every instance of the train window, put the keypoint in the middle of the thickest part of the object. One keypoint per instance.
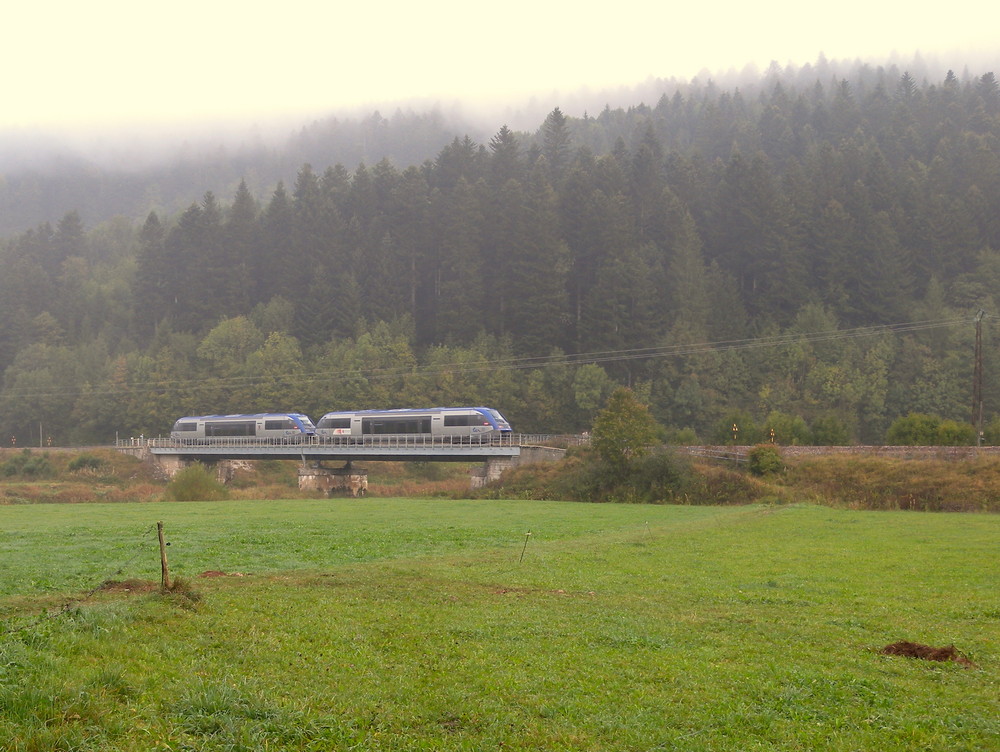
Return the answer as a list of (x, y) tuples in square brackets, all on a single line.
[(335, 423), (248, 428), (396, 425), (186, 427), (460, 420), (278, 425)]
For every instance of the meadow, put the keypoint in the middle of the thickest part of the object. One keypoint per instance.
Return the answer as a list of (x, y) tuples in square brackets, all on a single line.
[(418, 624)]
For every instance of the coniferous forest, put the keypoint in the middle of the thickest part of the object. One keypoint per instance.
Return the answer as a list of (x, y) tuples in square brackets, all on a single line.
[(808, 254)]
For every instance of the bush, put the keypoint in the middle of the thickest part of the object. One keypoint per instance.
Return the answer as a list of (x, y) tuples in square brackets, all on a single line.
[(713, 484), (195, 483), (28, 464), (84, 462), (784, 428), (953, 433), (920, 429), (915, 429), (829, 430), (659, 477), (683, 437), (765, 459), (747, 431)]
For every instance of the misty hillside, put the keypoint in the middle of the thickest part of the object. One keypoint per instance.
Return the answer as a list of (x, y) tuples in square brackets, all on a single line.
[(807, 251), (43, 179), (44, 176)]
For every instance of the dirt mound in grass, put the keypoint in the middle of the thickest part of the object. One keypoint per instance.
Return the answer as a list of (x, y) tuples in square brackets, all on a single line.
[(926, 652), (129, 586), (220, 573)]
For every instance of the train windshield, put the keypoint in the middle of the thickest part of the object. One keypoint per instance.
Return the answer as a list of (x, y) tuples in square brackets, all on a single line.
[(502, 423)]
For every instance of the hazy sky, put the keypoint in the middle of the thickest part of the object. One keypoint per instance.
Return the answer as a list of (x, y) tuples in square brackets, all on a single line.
[(69, 64)]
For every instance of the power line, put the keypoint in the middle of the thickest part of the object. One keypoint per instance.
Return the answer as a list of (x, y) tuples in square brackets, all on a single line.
[(513, 363)]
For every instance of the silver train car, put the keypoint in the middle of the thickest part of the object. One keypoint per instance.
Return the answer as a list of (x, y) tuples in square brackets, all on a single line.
[(292, 428), (447, 423)]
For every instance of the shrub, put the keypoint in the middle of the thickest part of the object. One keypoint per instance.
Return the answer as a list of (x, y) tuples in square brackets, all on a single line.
[(953, 433), (829, 430), (683, 437), (659, 477), (765, 459), (713, 484), (747, 431), (787, 429), (195, 483), (28, 464), (915, 429), (84, 462), (991, 432), (920, 429)]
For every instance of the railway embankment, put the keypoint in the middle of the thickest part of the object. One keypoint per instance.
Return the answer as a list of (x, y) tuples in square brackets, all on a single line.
[(888, 452)]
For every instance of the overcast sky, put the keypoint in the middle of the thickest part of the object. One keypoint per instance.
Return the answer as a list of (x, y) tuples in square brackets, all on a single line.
[(70, 64)]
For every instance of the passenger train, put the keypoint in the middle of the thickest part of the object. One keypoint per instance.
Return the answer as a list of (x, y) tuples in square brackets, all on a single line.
[(292, 428), (479, 424)]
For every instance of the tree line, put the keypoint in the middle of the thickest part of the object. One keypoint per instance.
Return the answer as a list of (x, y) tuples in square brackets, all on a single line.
[(692, 250)]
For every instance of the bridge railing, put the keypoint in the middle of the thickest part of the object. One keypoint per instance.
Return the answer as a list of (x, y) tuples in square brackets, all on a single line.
[(399, 440)]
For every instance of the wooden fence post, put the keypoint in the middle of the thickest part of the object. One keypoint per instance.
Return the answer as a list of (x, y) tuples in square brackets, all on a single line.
[(165, 572)]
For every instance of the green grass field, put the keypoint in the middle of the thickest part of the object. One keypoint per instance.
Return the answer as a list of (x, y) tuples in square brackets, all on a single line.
[(390, 624)]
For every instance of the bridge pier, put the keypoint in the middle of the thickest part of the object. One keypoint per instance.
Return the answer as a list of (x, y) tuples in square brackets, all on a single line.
[(330, 480), (168, 465), (490, 471), (494, 467)]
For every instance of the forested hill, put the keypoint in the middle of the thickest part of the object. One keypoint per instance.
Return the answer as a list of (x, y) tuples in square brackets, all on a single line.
[(40, 180), (808, 254)]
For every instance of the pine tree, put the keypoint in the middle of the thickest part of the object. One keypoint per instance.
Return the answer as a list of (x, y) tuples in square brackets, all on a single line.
[(753, 239), (241, 234), (154, 272), (459, 287), (595, 226), (556, 144), (687, 297), (505, 162), (887, 281), (272, 252), (536, 264), (214, 292)]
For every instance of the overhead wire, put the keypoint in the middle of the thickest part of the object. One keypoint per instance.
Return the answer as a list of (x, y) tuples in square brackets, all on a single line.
[(511, 363)]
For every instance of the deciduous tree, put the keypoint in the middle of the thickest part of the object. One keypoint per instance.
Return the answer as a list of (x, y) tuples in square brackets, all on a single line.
[(623, 431)]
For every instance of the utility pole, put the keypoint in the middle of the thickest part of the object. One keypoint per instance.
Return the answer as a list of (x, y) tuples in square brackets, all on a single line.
[(977, 381)]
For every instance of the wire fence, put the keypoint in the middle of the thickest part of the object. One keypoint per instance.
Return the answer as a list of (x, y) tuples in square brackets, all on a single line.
[(72, 603)]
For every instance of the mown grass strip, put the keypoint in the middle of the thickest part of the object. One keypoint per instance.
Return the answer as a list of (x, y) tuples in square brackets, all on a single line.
[(62, 548)]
